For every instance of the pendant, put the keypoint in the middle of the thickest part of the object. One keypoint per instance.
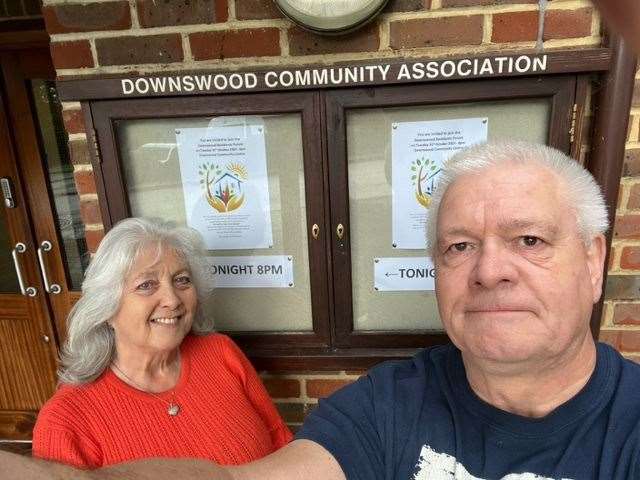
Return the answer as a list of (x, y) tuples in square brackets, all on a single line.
[(174, 409)]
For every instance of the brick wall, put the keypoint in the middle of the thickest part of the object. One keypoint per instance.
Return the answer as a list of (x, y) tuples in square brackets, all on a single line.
[(621, 316), (105, 37)]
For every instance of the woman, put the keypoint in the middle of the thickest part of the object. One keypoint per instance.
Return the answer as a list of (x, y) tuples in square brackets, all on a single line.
[(140, 375)]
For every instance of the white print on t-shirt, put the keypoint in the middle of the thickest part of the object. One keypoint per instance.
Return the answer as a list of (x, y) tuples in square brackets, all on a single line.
[(440, 466)]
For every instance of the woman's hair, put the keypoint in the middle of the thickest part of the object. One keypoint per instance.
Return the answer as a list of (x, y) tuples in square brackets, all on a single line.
[(90, 343), (582, 191)]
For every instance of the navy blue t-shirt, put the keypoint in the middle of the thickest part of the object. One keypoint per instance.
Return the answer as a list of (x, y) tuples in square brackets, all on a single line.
[(419, 419)]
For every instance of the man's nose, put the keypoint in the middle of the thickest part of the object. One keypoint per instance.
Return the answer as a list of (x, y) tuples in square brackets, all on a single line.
[(494, 266)]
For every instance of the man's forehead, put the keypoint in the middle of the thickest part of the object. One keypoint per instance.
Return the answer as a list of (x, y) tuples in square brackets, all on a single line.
[(510, 198)]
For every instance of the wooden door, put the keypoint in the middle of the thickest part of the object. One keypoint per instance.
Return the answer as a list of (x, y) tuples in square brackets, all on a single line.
[(27, 337), (32, 245)]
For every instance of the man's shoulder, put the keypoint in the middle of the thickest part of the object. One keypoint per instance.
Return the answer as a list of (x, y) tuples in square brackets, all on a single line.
[(624, 373)]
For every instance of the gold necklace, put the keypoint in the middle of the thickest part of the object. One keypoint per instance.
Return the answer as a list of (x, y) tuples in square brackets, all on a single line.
[(173, 408)]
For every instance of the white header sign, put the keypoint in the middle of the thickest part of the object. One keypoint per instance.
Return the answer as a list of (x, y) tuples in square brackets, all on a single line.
[(224, 180), (266, 271), (418, 150), (403, 274), (334, 76)]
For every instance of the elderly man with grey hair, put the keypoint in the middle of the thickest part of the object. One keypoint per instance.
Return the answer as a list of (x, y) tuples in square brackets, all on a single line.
[(523, 391)]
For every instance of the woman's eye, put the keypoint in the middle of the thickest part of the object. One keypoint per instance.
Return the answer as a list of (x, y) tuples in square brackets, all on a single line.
[(145, 285), (183, 280)]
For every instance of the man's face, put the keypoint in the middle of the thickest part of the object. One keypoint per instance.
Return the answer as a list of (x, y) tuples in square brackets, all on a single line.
[(515, 282)]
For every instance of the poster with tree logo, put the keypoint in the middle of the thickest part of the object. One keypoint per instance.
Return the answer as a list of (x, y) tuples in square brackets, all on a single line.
[(418, 150), (225, 183)]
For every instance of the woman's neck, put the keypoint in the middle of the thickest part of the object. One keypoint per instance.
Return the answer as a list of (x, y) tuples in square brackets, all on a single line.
[(153, 372)]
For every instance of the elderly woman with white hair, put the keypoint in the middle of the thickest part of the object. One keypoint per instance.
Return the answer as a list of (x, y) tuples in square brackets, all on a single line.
[(141, 373)]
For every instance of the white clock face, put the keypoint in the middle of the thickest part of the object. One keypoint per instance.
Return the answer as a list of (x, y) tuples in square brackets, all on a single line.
[(330, 15)]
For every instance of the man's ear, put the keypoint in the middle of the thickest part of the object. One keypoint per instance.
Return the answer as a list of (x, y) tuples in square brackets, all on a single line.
[(596, 253)]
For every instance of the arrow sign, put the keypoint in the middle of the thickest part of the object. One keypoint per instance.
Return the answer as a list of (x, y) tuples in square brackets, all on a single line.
[(403, 274)]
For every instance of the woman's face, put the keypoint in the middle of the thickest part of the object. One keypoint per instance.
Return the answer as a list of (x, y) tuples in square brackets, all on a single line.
[(158, 304)]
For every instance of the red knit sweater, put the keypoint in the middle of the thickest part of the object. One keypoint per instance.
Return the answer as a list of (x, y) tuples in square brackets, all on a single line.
[(226, 414)]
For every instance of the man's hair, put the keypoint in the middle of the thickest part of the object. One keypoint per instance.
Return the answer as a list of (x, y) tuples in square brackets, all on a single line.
[(582, 192), (90, 343)]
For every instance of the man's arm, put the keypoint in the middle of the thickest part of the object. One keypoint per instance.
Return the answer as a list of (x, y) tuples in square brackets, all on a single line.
[(299, 459)]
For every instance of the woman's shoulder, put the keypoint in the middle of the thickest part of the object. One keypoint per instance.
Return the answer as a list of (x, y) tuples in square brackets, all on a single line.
[(65, 406), (213, 349), (212, 342)]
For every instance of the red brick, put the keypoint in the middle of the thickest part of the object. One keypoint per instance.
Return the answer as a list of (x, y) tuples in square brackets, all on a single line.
[(634, 196), (515, 27), (73, 121), (365, 39), (630, 258), (407, 5), (282, 387), (93, 239), (627, 226), (622, 340), (257, 10), (90, 211), (626, 314), (470, 3), (85, 182), (324, 388), (133, 50), (89, 17), (79, 152), (73, 54), (567, 23), (153, 13), (433, 32), (622, 287), (254, 42), (631, 166)]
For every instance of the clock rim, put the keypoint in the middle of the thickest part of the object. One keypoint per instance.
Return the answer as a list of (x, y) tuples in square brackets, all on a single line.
[(331, 25)]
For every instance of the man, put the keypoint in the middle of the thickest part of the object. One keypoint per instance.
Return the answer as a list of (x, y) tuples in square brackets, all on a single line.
[(518, 246)]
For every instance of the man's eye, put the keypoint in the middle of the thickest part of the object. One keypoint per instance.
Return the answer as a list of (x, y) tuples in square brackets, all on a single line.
[(530, 241), (459, 247)]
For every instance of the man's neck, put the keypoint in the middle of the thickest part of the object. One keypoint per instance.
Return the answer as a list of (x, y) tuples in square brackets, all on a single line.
[(533, 390)]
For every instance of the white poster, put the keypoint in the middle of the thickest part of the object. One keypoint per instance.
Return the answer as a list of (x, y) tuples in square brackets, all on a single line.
[(261, 271), (403, 274), (418, 151), (224, 179)]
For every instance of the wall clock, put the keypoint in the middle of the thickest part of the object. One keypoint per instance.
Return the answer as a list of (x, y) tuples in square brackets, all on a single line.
[(331, 16)]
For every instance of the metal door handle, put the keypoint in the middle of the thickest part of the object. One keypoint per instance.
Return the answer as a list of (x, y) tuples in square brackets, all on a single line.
[(54, 288), (28, 291)]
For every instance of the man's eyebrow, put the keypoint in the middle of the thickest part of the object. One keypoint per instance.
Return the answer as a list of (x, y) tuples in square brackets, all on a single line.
[(454, 231), (517, 225)]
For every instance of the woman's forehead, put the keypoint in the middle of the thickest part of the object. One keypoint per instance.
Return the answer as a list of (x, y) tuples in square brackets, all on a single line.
[(157, 257)]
